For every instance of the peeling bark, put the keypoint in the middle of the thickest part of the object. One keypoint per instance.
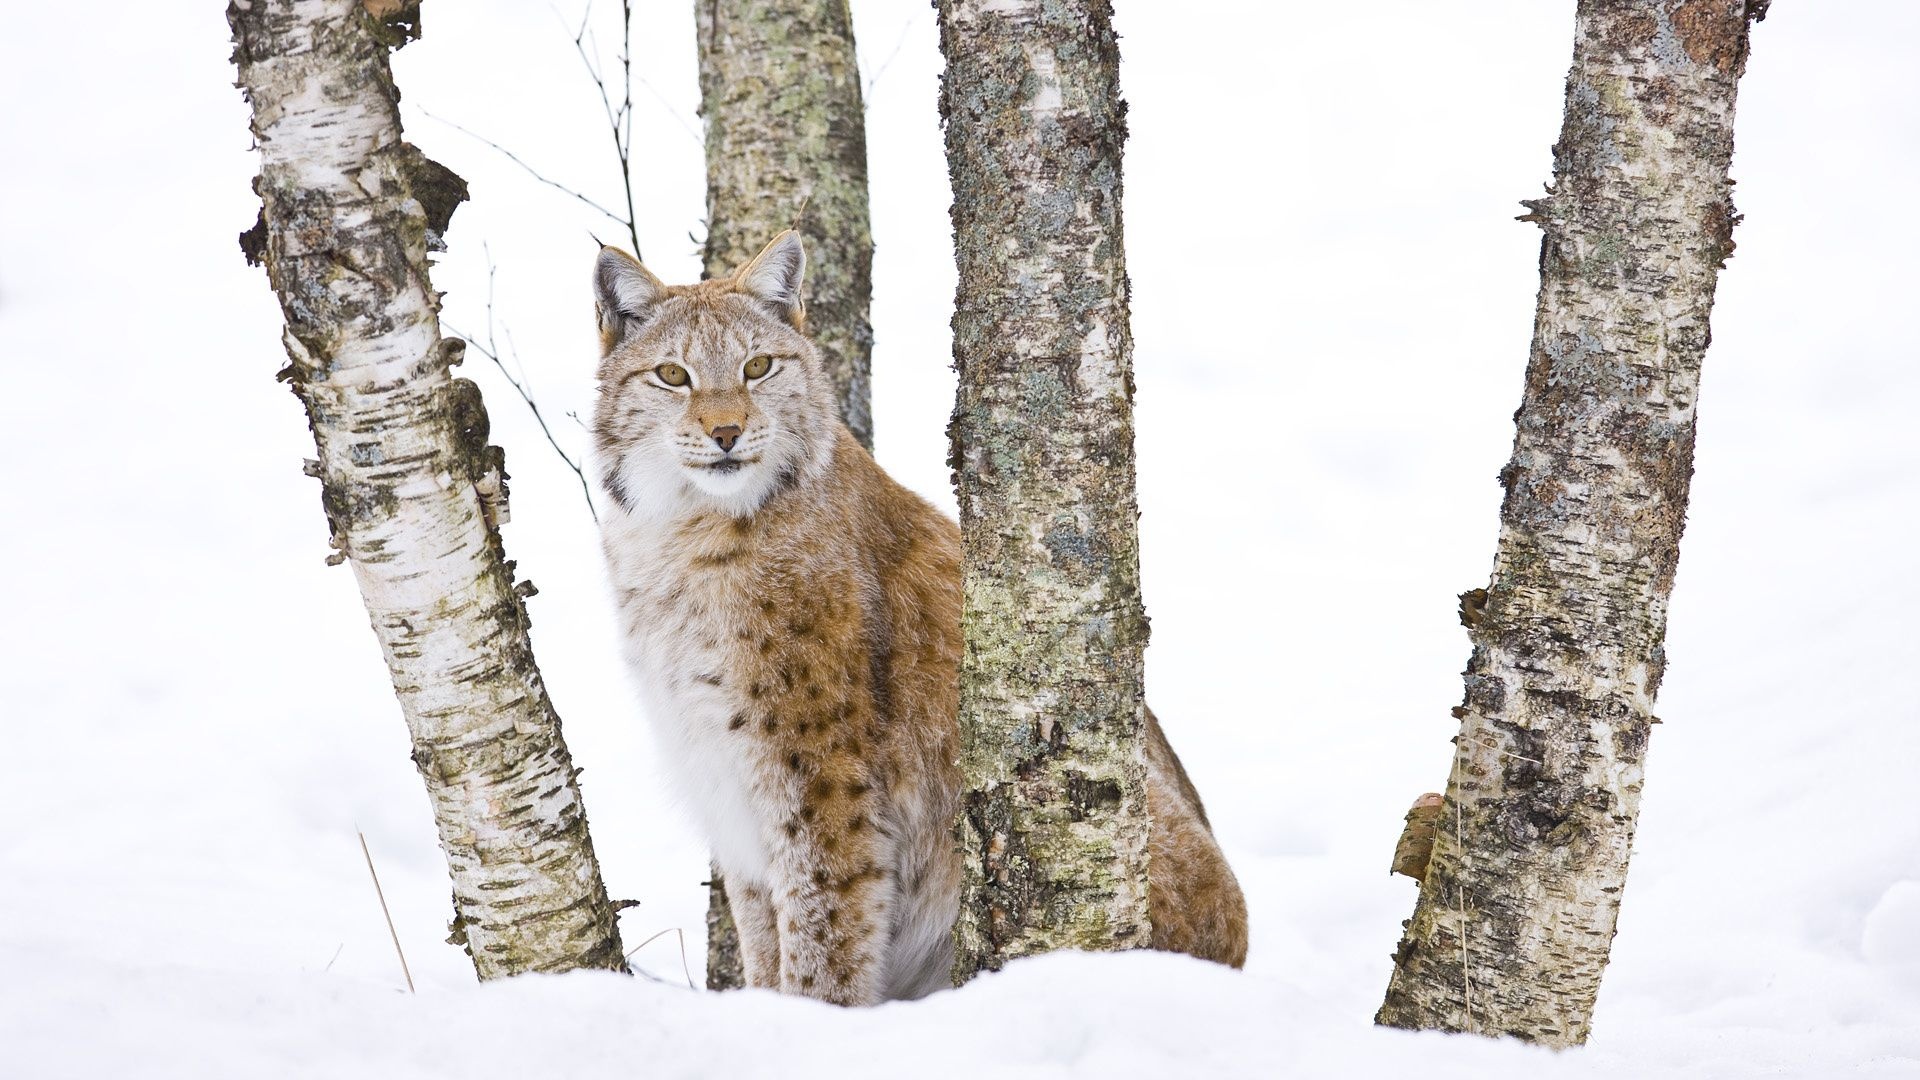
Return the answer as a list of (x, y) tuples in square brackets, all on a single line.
[(1053, 826), (787, 148), (1517, 910), (1415, 846), (412, 492)]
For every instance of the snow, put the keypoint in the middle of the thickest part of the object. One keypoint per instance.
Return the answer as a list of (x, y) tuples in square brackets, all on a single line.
[(1890, 939), (1332, 306)]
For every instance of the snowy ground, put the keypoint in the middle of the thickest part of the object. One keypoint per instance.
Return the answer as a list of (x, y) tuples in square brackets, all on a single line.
[(1320, 203)]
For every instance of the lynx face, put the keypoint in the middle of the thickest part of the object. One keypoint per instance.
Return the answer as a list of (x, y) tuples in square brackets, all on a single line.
[(710, 394)]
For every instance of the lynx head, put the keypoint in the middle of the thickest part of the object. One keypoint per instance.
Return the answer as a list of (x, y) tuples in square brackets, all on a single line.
[(711, 396)]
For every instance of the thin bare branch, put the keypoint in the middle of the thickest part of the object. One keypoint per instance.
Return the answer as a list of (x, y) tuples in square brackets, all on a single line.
[(537, 174), (623, 128), (620, 119), (626, 78), (491, 350), (874, 79), (586, 16), (679, 117)]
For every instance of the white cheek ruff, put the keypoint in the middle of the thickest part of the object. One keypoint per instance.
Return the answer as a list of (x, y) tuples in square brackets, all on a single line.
[(738, 492), (652, 486), (668, 475)]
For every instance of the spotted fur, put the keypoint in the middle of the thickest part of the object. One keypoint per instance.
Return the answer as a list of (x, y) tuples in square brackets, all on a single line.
[(792, 618)]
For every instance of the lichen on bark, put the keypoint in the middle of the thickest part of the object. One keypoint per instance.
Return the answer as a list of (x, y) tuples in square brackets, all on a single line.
[(725, 969), (412, 491), (1517, 910), (1053, 828), (786, 142)]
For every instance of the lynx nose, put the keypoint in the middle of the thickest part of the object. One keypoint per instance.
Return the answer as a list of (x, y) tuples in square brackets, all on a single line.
[(725, 436)]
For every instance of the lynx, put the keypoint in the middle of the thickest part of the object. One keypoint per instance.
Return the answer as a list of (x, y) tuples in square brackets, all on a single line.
[(792, 618)]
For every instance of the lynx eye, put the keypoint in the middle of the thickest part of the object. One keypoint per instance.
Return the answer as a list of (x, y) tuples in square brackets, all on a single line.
[(671, 374), (758, 367)]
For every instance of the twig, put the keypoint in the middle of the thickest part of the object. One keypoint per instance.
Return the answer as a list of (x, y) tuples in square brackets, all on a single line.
[(626, 112), (905, 32), (491, 351), (620, 127), (593, 70), (679, 118), (391, 932), (619, 121), (543, 178), (685, 968)]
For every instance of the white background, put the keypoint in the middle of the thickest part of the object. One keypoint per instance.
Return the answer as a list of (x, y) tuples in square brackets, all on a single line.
[(1332, 309)]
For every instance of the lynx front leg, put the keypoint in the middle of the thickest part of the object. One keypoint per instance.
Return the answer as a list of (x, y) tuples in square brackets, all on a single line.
[(759, 939), (833, 895)]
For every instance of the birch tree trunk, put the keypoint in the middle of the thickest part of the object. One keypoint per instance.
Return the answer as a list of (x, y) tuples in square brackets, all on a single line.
[(412, 491), (1054, 822), (787, 148), (1516, 913)]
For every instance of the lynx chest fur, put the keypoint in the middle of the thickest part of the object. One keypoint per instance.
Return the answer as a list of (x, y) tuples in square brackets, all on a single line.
[(792, 618), (808, 750)]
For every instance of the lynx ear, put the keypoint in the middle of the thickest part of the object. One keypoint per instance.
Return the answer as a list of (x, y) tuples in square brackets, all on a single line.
[(624, 295), (775, 274)]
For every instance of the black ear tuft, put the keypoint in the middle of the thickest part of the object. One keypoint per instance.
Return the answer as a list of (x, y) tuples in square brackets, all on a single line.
[(624, 293), (775, 275)]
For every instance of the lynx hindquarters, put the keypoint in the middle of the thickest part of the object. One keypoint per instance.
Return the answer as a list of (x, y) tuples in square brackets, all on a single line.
[(792, 618)]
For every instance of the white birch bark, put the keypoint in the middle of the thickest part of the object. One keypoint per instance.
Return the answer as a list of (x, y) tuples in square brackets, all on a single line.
[(1517, 908), (410, 488), (1054, 823)]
